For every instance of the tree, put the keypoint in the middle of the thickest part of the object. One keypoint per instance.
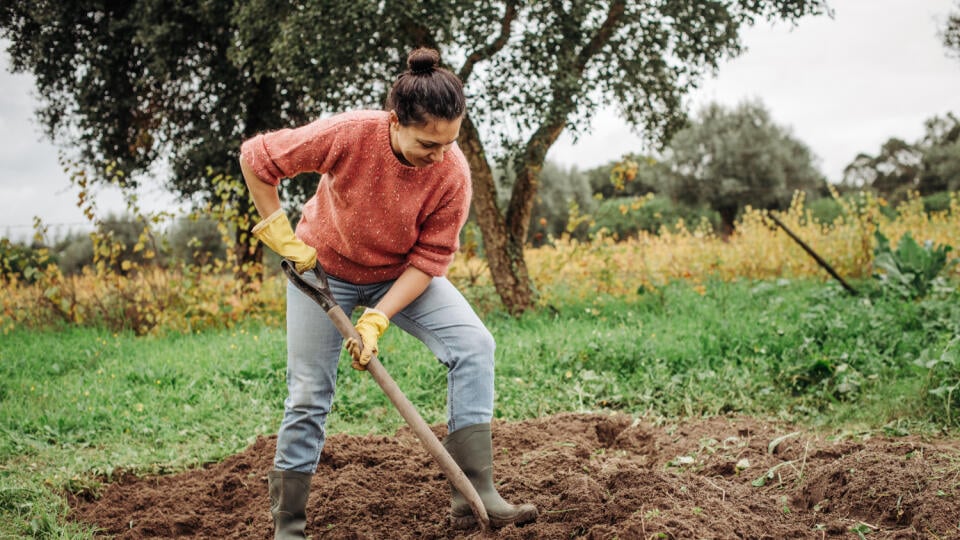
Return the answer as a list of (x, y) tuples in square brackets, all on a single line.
[(143, 85), (532, 69), (729, 158), (74, 252), (941, 155), (930, 165), (894, 171)]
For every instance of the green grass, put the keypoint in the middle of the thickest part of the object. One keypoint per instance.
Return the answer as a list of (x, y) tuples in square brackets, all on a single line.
[(80, 404)]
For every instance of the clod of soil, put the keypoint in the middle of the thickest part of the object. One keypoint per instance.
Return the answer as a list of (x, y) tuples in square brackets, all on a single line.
[(592, 476)]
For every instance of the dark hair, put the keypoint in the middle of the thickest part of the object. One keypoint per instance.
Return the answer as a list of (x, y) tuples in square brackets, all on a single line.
[(425, 89)]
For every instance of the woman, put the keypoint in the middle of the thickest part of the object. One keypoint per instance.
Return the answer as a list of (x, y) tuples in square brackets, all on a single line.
[(384, 224)]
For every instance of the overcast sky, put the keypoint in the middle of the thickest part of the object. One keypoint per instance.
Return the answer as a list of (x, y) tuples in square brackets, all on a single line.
[(842, 85)]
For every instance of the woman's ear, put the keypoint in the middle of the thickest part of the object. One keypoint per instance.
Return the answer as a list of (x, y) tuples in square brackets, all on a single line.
[(394, 119)]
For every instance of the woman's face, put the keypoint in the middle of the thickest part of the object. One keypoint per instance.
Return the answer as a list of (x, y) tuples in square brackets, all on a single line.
[(425, 144)]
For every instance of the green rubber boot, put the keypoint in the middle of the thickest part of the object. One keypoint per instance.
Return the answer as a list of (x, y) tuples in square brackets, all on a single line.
[(472, 449), (288, 503)]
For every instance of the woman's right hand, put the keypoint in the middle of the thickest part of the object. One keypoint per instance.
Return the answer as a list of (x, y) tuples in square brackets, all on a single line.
[(275, 231)]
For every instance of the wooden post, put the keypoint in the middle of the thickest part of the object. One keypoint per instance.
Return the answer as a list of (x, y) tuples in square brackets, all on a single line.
[(823, 264)]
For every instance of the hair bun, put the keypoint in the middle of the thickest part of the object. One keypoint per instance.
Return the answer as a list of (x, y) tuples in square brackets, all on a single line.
[(423, 60)]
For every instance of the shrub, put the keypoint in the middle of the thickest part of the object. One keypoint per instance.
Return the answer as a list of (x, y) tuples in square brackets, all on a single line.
[(626, 216), (127, 288), (196, 240), (21, 262), (937, 202), (133, 239), (117, 293), (825, 210), (74, 253), (911, 269)]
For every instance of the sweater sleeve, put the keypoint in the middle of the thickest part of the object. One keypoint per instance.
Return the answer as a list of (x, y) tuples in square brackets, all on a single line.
[(439, 237), (286, 153)]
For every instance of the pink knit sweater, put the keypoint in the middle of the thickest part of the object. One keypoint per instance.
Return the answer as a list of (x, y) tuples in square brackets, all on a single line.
[(372, 216)]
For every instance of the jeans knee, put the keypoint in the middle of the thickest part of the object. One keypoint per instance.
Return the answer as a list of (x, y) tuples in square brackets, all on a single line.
[(477, 347), (309, 395), (480, 341)]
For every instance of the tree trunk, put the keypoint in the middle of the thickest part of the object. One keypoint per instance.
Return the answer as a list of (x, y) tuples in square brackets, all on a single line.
[(528, 180), (503, 250), (504, 236), (728, 216)]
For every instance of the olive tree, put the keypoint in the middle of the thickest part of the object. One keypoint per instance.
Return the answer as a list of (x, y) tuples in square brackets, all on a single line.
[(729, 158), (928, 166), (894, 171), (941, 154)]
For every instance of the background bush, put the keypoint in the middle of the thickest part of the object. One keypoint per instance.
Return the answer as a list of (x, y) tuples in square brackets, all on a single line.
[(20, 261), (938, 202), (825, 210), (627, 216), (74, 252), (196, 240)]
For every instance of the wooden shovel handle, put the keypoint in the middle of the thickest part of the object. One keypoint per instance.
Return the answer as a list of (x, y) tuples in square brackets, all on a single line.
[(406, 409)]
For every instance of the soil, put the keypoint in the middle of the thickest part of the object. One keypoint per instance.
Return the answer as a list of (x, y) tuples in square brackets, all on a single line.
[(592, 476)]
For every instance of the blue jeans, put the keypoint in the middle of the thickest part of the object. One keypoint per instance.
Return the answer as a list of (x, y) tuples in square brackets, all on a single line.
[(441, 318)]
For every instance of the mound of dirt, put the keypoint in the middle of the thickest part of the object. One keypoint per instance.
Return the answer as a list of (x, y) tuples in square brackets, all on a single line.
[(591, 476)]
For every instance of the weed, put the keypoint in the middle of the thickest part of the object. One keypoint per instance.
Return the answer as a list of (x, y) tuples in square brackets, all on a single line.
[(861, 530), (911, 269)]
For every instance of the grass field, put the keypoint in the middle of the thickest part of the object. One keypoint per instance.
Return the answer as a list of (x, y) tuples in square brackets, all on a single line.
[(80, 404)]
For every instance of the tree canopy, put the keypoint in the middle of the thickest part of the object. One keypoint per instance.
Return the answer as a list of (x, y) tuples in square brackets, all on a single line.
[(143, 81), (895, 168), (927, 166), (941, 154)]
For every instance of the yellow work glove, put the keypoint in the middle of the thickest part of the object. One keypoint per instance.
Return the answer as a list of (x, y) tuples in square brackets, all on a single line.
[(276, 233), (371, 326)]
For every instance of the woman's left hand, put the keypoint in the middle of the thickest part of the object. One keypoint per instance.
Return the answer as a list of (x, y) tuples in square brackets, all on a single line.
[(371, 326)]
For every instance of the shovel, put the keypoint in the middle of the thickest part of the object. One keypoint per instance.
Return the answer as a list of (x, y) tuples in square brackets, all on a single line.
[(322, 295)]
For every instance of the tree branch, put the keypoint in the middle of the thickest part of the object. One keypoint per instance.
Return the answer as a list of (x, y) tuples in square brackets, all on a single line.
[(492, 48), (535, 151), (603, 34)]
